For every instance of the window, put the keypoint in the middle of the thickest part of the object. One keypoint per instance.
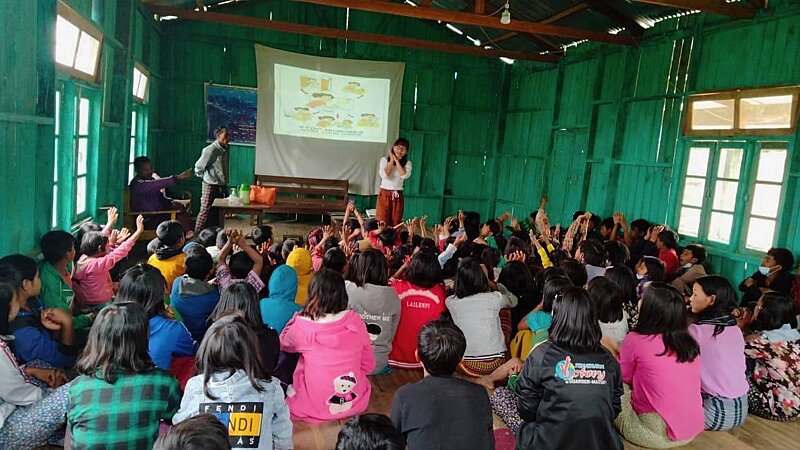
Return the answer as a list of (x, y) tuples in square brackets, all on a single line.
[(81, 156), (743, 112), (139, 86), (54, 220), (138, 141), (78, 44), (732, 192)]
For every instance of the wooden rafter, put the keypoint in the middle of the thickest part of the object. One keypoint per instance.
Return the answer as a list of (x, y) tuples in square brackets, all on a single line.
[(739, 10), (468, 18), (539, 40), (335, 33), (480, 7), (425, 3), (608, 9)]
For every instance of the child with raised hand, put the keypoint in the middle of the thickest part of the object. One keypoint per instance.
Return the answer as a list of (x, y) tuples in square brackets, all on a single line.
[(243, 266), (232, 376), (378, 304), (660, 410), (118, 380), (722, 374), (31, 413), (241, 297), (44, 334), (570, 372), (774, 384), (58, 249), (144, 284), (92, 278), (442, 411), (330, 381)]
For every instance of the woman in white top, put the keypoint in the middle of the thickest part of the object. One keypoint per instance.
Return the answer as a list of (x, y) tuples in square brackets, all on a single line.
[(394, 170)]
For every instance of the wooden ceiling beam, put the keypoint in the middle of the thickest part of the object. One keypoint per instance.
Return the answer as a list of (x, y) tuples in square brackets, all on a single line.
[(468, 18), (335, 33), (608, 9), (480, 7), (538, 40), (425, 3), (739, 10)]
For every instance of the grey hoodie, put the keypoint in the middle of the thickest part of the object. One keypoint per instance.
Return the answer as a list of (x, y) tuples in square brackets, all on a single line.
[(213, 164), (239, 406), (379, 307)]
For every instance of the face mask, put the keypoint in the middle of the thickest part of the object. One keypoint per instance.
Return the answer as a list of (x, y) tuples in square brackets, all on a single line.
[(639, 276), (763, 270), (687, 265)]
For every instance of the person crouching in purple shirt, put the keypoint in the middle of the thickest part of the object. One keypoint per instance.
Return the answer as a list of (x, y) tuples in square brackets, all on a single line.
[(148, 194)]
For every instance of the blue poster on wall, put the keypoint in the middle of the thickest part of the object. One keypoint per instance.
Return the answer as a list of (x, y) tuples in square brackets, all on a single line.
[(234, 107)]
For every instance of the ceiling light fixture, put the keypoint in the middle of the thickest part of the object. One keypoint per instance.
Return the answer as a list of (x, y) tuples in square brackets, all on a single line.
[(505, 18)]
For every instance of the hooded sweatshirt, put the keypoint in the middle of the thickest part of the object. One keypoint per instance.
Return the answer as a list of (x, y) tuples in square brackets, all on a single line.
[(379, 306), (330, 381), (280, 306), (195, 300), (300, 261), (169, 261)]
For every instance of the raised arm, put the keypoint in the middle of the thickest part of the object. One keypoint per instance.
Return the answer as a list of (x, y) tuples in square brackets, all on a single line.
[(255, 256)]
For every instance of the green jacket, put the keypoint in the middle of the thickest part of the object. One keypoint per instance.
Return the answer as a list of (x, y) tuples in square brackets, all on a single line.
[(56, 293)]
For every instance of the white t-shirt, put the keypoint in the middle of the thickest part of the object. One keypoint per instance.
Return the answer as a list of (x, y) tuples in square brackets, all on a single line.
[(393, 182)]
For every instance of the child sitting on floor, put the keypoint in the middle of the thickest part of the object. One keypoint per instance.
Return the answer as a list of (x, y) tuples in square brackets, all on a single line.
[(169, 257), (774, 274), (377, 303), (201, 432), (772, 354), (722, 373), (39, 334), (118, 380), (232, 376), (243, 266), (144, 284), (607, 298), (58, 250), (660, 363), (92, 279), (192, 295), (369, 432), (33, 401), (648, 270), (442, 411), (279, 307), (300, 260), (330, 381)]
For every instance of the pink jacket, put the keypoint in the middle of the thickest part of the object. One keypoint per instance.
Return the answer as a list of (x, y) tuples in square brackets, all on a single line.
[(330, 381), (92, 278)]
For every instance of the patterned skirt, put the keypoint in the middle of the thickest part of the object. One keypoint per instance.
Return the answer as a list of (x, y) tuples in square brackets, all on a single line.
[(724, 413), (480, 367)]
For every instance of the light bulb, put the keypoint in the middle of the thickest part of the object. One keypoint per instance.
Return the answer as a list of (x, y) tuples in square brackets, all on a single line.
[(505, 18)]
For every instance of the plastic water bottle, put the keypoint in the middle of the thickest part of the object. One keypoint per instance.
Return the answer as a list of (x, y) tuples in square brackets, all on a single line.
[(233, 197)]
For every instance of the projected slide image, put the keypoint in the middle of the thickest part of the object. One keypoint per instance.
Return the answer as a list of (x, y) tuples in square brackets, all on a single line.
[(322, 105)]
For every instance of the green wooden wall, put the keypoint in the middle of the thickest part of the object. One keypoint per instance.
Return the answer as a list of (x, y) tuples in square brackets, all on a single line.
[(450, 103), (602, 130), (27, 111)]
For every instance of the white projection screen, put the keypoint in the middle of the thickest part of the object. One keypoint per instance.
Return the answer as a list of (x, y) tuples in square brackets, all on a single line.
[(325, 117)]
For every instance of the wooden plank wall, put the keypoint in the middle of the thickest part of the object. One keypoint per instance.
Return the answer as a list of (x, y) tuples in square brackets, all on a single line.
[(450, 103), (603, 130)]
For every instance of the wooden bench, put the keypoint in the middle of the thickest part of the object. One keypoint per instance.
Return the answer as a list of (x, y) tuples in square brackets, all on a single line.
[(294, 196)]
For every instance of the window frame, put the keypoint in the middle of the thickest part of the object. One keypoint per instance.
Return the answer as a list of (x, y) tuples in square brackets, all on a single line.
[(85, 26), (737, 95), (141, 100)]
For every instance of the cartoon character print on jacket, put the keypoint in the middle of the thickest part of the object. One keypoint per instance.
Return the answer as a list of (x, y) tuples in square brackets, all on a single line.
[(374, 330), (343, 396)]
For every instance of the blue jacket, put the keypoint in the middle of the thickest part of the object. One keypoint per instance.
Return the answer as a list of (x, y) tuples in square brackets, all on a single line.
[(194, 300), (279, 307), (33, 341), (238, 405), (167, 338)]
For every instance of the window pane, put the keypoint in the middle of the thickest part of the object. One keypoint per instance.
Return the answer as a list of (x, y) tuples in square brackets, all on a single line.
[(771, 164), (730, 162), (133, 123), (142, 87), (55, 161), (66, 41), (693, 191), (689, 222), (130, 172), (725, 195), (698, 161), (86, 59), (83, 152), (137, 76), (83, 118), (712, 114), (80, 195), (766, 112), (719, 227), (133, 149), (765, 200), (54, 221), (58, 110), (760, 234)]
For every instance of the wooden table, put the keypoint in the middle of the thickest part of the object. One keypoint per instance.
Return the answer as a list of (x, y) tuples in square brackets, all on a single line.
[(225, 207)]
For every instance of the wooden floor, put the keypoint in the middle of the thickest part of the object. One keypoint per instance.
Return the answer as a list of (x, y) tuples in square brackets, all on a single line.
[(756, 433)]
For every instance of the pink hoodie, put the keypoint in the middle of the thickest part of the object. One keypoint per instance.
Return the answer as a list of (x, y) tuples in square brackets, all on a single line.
[(92, 278), (330, 381)]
